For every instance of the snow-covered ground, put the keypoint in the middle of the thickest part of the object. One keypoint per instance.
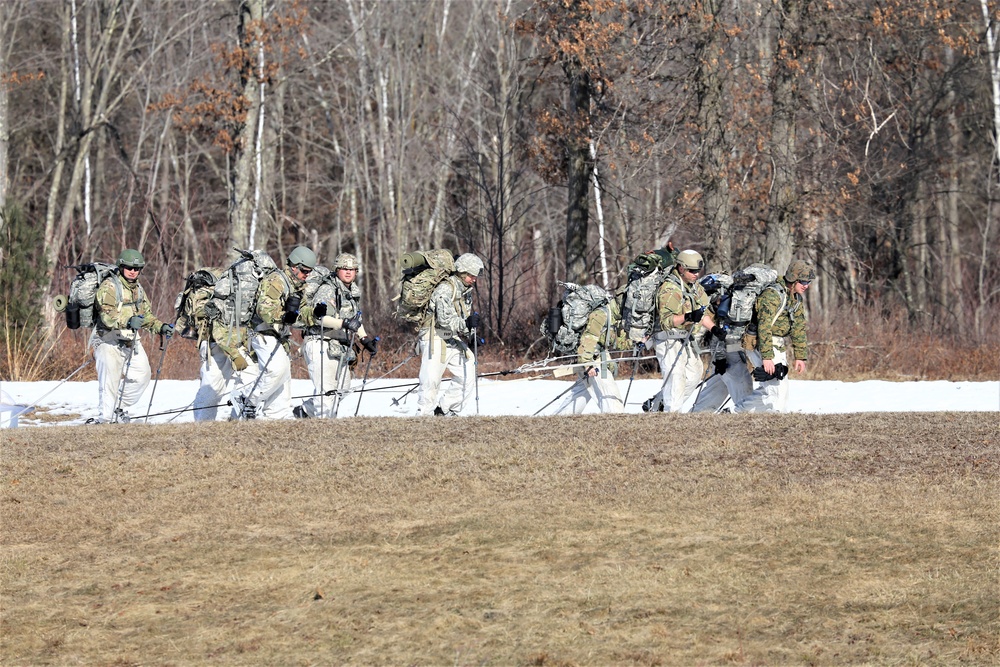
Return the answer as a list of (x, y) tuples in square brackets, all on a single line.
[(506, 397)]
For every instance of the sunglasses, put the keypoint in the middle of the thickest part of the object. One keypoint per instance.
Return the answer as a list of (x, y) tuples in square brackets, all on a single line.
[(804, 283), (304, 270)]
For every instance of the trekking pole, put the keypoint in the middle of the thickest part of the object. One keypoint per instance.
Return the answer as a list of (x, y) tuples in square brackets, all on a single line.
[(260, 376), (38, 400), (121, 384), (322, 353), (396, 401), (164, 341), (342, 371), (364, 380), (475, 364), (555, 399), (635, 352)]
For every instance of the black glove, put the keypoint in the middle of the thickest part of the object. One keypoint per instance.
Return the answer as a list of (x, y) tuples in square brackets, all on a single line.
[(473, 321), (353, 324), (721, 365), (719, 332), (780, 371), (319, 311), (292, 304), (370, 344), (167, 330), (695, 315), (135, 322)]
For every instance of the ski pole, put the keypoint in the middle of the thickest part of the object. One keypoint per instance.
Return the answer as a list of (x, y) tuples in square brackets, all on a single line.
[(121, 385), (38, 400), (364, 380), (260, 376), (475, 364), (636, 350), (342, 371), (164, 341), (555, 399)]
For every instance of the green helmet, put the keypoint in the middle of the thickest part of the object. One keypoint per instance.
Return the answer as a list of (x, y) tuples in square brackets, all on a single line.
[(302, 256), (131, 259)]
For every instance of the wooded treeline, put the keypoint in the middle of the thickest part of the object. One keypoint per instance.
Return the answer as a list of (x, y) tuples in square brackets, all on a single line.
[(556, 138)]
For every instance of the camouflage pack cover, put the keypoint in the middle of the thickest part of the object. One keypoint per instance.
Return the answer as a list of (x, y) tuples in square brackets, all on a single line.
[(578, 302), (83, 289), (645, 274), (234, 298), (747, 285), (189, 307), (419, 281)]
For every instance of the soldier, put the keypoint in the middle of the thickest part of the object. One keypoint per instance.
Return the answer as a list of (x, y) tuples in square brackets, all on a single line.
[(278, 299), (681, 304), (225, 361), (597, 378), (122, 365), (331, 321), (778, 313), (449, 317)]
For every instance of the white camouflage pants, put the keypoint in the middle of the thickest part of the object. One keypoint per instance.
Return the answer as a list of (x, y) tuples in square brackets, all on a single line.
[(111, 359), (272, 397), (217, 373), (453, 356), (681, 369), (772, 395), (735, 382), (323, 358), (604, 390)]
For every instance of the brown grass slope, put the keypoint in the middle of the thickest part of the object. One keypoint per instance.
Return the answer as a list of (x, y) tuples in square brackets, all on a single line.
[(631, 540)]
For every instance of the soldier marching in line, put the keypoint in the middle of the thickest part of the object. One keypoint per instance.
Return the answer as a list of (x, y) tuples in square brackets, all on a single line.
[(448, 320), (331, 322), (123, 371)]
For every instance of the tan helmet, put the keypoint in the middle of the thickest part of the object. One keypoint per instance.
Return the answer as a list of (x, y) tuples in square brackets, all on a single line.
[(690, 260), (469, 263), (346, 260), (800, 271)]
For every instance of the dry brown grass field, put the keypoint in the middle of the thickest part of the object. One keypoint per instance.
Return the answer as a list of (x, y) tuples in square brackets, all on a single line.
[(629, 540)]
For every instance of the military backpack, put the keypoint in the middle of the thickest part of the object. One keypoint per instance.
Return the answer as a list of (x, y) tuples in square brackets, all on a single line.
[(645, 275), (189, 307), (80, 306), (422, 272), (234, 296), (567, 321)]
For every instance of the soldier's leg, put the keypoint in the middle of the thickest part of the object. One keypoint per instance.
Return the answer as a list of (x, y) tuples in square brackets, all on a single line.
[(609, 398), (432, 367), (669, 354), (576, 400), (712, 394), (738, 380), (272, 397), (461, 363), (213, 381), (323, 361), (137, 378), (693, 372), (765, 395), (109, 361)]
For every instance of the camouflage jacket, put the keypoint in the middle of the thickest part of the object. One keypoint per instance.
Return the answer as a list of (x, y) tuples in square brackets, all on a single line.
[(342, 301), (449, 307), (780, 314), (674, 297), (228, 340), (275, 289), (115, 313)]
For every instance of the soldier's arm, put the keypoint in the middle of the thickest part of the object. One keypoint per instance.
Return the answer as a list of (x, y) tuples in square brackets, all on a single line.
[(766, 307), (106, 299), (149, 321), (445, 315), (591, 336), (670, 305), (800, 345)]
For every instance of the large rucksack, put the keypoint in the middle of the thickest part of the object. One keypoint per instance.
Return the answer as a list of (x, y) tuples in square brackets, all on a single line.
[(81, 308), (234, 298), (736, 308), (189, 308), (645, 275), (578, 302), (422, 272), (316, 278)]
